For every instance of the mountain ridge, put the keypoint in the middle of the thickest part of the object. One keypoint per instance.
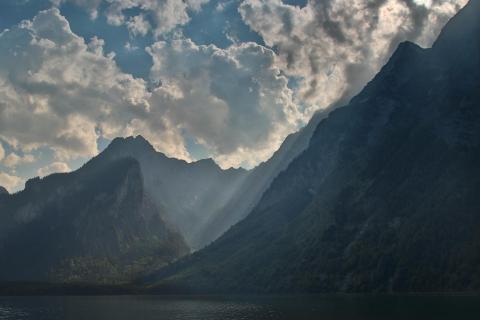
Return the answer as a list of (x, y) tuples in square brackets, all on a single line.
[(188, 192), (385, 202)]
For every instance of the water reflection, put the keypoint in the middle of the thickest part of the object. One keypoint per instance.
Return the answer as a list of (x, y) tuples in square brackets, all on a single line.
[(240, 307)]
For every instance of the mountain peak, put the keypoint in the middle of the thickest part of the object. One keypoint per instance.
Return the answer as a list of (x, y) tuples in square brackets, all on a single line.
[(402, 56), (132, 140), (208, 162), (3, 191), (131, 143), (103, 218), (461, 32)]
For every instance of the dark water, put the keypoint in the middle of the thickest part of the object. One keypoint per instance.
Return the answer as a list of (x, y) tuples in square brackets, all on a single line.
[(230, 308)]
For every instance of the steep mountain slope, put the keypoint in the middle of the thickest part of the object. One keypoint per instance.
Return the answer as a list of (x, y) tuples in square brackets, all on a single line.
[(189, 193), (96, 224), (251, 189), (385, 198)]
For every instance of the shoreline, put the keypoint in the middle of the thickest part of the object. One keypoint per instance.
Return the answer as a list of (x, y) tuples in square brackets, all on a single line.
[(12, 289)]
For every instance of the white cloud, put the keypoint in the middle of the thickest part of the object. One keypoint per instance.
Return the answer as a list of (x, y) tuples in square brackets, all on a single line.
[(196, 5), (130, 47), (90, 5), (10, 182), (426, 3), (138, 25), (333, 47), (166, 15), (69, 93), (57, 91), (55, 167), (13, 160), (234, 101), (2, 152)]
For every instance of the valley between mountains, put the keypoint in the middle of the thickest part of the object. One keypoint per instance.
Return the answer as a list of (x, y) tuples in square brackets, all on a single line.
[(379, 195)]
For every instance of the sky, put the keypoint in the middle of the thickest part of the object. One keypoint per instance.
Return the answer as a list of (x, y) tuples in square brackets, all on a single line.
[(226, 79)]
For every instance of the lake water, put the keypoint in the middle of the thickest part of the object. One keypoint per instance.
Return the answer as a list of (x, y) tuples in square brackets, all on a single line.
[(240, 308)]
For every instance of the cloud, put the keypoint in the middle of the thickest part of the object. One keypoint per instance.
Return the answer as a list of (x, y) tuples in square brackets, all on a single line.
[(62, 89), (138, 25), (90, 5), (333, 47), (53, 168), (13, 160), (130, 47), (10, 182), (165, 15), (234, 101), (2, 152)]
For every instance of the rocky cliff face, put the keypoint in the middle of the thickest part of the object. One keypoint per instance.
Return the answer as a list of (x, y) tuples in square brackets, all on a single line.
[(385, 198)]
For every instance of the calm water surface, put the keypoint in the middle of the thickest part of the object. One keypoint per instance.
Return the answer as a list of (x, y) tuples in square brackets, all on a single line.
[(238, 308)]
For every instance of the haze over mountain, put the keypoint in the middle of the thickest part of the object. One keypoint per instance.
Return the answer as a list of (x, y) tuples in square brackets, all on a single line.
[(187, 192), (127, 212), (200, 198), (251, 189), (385, 198)]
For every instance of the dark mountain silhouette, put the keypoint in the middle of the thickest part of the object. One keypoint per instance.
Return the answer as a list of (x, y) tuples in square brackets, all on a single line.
[(385, 198), (125, 213), (3, 191), (96, 225)]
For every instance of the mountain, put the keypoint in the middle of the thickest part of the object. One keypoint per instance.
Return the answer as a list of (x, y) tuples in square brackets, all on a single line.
[(127, 212), (95, 225), (200, 199), (3, 191), (385, 197), (188, 193), (252, 187)]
